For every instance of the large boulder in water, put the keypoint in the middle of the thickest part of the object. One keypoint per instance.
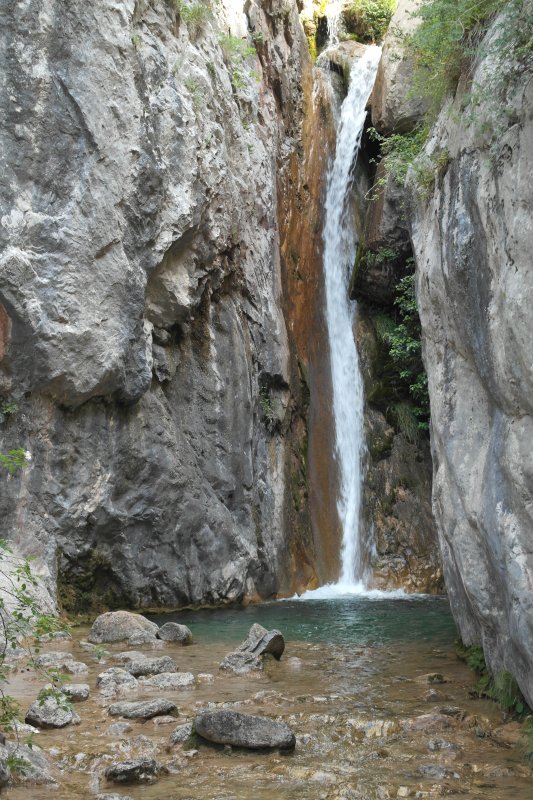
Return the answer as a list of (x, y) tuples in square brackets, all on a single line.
[(174, 632), (142, 665), (136, 770), (118, 626), (244, 730)]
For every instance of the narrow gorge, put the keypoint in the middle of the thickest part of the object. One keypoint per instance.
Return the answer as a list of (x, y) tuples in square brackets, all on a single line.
[(266, 325)]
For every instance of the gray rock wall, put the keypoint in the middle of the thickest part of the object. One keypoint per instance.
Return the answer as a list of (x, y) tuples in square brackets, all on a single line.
[(473, 239), (141, 331)]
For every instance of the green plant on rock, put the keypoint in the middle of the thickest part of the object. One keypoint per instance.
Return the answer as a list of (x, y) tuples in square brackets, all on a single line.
[(9, 407), (195, 15), (236, 54), (368, 20), (14, 460), (500, 686)]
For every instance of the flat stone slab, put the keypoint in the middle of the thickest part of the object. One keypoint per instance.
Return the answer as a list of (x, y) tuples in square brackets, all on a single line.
[(244, 730), (136, 770), (142, 709), (169, 680), (145, 665), (174, 632), (51, 713), (119, 626)]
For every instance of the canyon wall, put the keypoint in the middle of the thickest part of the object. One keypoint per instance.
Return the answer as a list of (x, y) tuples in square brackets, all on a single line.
[(142, 341), (473, 238)]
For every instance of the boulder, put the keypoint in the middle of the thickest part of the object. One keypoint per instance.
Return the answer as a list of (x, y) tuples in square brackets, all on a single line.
[(142, 709), (32, 764), (261, 642), (76, 691), (169, 680), (244, 730), (150, 666), (115, 680), (5, 772), (118, 626), (53, 659), (173, 632), (52, 712), (181, 734), (247, 657), (137, 770)]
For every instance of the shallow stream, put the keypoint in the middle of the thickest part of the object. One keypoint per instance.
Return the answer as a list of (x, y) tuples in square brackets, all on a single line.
[(351, 684)]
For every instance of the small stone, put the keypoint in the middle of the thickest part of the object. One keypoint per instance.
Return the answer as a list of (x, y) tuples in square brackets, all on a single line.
[(76, 691), (437, 772), (75, 668), (22, 729), (244, 730), (118, 626), (113, 797), (241, 663), (431, 678), (205, 677), (164, 720), (119, 728), (262, 642), (53, 712), (169, 680), (5, 772), (143, 709), (173, 632), (137, 770), (440, 744), (53, 659), (181, 734)]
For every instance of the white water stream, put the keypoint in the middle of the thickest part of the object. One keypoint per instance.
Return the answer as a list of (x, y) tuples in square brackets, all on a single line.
[(340, 244)]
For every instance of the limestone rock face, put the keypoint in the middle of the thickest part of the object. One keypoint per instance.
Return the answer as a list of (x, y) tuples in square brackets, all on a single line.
[(140, 314), (393, 109), (473, 240)]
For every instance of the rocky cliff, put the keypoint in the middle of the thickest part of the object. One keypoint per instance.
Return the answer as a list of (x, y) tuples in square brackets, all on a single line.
[(472, 236), (142, 342)]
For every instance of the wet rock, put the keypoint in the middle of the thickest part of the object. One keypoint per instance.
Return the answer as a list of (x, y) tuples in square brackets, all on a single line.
[(258, 643), (116, 679), (437, 772), (169, 680), (427, 722), (119, 728), (57, 636), (32, 764), (52, 712), (174, 632), (53, 659), (22, 729), (373, 728), (138, 770), (150, 666), (142, 637), (142, 709), (261, 642), (5, 772), (118, 626), (164, 720), (205, 677), (76, 691), (510, 734), (113, 797), (244, 730), (431, 678), (241, 663), (441, 744), (181, 733)]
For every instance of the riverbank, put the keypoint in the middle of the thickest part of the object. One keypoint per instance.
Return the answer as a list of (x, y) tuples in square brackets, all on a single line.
[(381, 709)]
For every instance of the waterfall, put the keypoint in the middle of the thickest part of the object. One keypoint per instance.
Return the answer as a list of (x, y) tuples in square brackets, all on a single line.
[(333, 15), (340, 244)]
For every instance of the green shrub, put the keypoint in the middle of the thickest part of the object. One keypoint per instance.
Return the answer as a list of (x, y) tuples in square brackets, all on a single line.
[(14, 460), (236, 53), (368, 20), (195, 15)]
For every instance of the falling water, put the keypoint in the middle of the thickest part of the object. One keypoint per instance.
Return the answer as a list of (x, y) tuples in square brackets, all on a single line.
[(333, 15), (339, 255)]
